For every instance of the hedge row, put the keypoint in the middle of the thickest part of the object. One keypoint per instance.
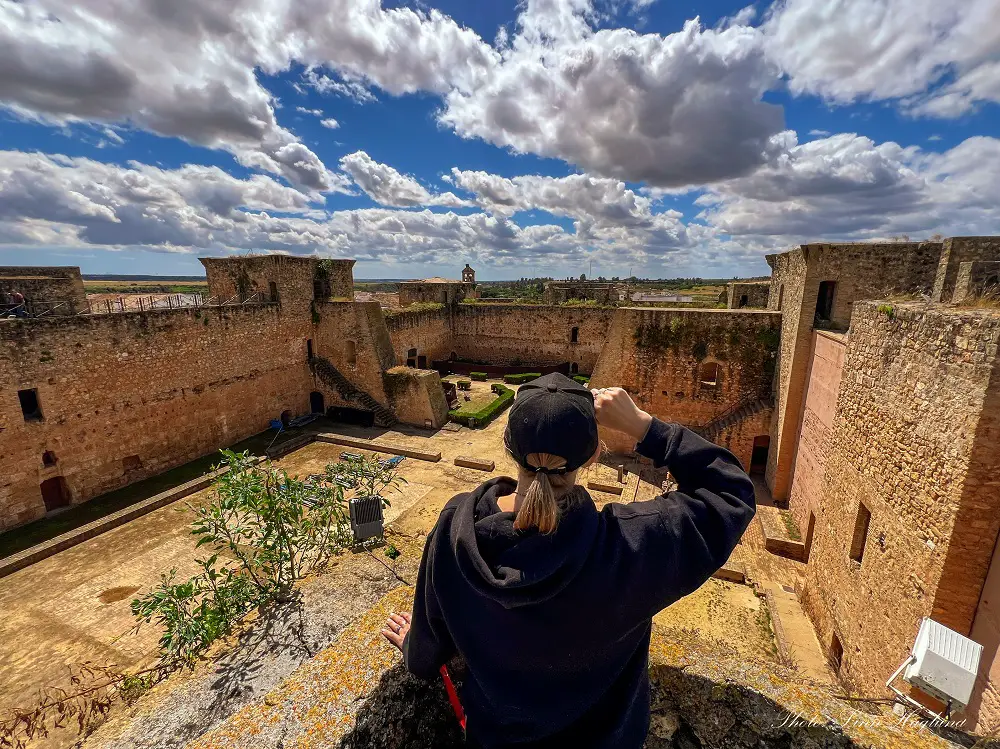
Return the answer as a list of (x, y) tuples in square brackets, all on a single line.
[(478, 376), (520, 379), (485, 415), (582, 379)]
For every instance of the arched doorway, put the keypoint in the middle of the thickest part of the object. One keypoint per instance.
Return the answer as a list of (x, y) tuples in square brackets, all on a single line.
[(55, 493), (743, 301), (316, 403)]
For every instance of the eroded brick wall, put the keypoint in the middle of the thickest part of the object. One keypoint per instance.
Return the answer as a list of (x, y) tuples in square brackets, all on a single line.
[(41, 284), (427, 331), (354, 338), (130, 395), (914, 440), (955, 251), (753, 295), (819, 409), (660, 356), (530, 334)]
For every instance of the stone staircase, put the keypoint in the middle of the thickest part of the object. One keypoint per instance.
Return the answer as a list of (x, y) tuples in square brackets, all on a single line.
[(332, 376), (734, 415)]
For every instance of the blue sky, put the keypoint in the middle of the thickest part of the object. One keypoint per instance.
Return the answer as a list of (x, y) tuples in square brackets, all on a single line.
[(540, 138)]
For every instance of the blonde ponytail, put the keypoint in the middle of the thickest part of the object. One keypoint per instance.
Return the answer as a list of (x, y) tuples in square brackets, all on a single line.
[(540, 508)]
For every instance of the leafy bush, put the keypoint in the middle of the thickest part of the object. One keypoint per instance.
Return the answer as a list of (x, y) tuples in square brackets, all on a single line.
[(266, 530), (520, 379), (478, 376), (582, 379), (464, 384), (367, 476), (485, 415)]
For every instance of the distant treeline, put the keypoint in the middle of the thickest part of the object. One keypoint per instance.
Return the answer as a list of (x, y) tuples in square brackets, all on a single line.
[(147, 278)]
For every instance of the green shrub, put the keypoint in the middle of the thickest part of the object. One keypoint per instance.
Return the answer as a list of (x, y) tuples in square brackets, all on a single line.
[(464, 384), (478, 376), (485, 415), (266, 530), (582, 379), (520, 379)]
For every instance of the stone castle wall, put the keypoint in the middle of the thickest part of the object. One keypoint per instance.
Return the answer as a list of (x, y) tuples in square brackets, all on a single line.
[(976, 278), (914, 440), (39, 284), (955, 251), (130, 395), (661, 356), (752, 294), (427, 331), (353, 337), (530, 334)]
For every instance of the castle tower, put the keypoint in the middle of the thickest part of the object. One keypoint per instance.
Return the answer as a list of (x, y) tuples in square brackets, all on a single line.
[(468, 274)]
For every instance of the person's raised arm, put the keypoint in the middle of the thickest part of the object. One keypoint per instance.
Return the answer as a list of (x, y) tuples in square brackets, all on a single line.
[(672, 544)]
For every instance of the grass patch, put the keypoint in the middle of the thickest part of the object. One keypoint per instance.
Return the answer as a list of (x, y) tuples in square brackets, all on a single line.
[(790, 527), (486, 413), (413, 309), (520, 379)]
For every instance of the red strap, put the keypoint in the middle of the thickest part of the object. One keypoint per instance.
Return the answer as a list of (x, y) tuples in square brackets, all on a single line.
[(456, 705)]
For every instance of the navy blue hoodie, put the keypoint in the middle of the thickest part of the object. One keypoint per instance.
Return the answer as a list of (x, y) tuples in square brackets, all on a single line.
[(555, 628)]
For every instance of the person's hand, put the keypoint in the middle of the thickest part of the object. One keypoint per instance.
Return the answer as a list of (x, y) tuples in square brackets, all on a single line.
[(395, 629), (615, 410)]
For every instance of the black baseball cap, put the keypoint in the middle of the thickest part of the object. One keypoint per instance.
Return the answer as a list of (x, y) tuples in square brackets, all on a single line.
[(552, 414)]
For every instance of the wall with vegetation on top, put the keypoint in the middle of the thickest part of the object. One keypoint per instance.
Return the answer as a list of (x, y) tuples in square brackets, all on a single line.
[(663, 358)]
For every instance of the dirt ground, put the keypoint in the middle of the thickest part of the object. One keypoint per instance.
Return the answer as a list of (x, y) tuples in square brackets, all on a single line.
[(74, 606)]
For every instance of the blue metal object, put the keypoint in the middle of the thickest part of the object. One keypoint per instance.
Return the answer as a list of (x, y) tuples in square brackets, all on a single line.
[(393, 462)]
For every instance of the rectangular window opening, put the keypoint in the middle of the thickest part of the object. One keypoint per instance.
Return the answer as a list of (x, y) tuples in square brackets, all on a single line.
[(31, 409), (824, 300), (861, 525)]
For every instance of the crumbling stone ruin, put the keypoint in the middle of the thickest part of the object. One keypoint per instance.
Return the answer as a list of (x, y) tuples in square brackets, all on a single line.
[(740, 294), (438, 290), (864, 392)]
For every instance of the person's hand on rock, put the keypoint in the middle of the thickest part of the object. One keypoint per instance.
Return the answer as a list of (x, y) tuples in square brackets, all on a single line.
[(395, 629)]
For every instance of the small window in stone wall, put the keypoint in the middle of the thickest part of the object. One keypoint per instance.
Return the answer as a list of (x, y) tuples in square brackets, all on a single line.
[(31, 409), (272, 289), (861, 525), (351, 353), (132, 463), (49, 459), (710, 374), (744, 300), (574, 335), (781, 296), (309, 348)]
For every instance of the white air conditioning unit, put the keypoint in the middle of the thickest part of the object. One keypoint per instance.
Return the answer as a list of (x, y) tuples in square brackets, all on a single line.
[(943, 664)]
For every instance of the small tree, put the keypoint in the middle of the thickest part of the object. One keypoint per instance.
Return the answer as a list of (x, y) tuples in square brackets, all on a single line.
[(366, 476), (269, 528)]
